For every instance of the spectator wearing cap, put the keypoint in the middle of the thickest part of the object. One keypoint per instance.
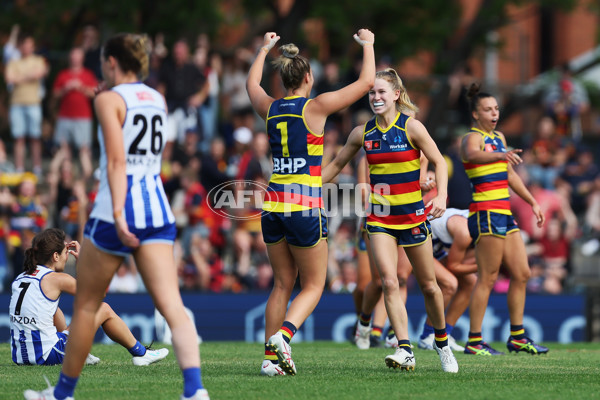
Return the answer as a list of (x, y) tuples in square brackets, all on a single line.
[(238, 162)]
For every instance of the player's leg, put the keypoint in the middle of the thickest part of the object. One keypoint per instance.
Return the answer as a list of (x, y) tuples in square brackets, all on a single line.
[(285, 273), (92, 282), (458, 305), (488, 253), (312, 270), (421, 257), (385, 254), (515, 260), (460, 301), (379, 319), (311, 264), (156, 265), (284, 279), (116, 329), (404, 269), (372, 296), (385, 257), (362, 279), (305, 233), (448, 285)]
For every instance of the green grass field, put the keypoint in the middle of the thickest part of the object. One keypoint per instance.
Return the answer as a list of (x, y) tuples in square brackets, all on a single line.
[(328, 370)]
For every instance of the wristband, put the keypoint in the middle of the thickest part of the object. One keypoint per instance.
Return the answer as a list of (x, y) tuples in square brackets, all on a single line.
[(360, 41), (265, 49), (117, 214)]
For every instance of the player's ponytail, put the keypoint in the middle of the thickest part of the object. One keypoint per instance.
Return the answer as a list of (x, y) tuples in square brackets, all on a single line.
[(29, 264), (131, 52), (43, 247), (474, 95)]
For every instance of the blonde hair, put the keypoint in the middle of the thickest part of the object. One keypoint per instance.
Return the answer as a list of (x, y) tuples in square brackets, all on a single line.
[(403, 104), (292, 66), (131, 52)]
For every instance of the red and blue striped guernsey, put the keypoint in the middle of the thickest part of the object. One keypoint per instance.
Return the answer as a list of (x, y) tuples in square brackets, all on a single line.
[(394, 165), (489, 182), (296, 182)]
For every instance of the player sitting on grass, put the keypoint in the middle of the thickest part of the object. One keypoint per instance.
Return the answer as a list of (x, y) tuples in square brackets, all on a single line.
[(37, 325)]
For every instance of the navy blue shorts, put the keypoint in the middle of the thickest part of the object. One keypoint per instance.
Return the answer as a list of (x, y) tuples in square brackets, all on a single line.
[(483, 223), (104, 236), (298, 228), (405, 237), (57, 354)]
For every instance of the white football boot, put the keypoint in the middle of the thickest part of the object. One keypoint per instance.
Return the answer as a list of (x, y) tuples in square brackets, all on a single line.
[(201, 394), (447, 359), (46, 394), (270, 369), (401, 359), (283, 350), (427, 342), (150, 357), (454, 346), (362, 337), (91, 360)]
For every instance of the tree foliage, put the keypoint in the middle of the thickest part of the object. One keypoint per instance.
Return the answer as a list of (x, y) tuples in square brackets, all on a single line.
[(56, 22)]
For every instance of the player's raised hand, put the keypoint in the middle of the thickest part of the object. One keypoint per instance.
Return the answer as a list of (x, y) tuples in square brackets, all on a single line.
[(364, 36), (73, 248), (269, 40)]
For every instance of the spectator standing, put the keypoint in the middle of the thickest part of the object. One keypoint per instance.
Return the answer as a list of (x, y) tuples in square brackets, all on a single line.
[(73, 89), (565, 101), (26, 74), (91, 46), (580, 180), (546, 155), (214, 165), (209, 63), (185, 89)]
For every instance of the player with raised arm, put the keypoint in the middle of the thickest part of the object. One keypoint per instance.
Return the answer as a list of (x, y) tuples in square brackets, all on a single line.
[(293, 222)]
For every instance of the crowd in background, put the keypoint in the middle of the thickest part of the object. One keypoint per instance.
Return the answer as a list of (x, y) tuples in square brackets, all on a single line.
[(218, 138)]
